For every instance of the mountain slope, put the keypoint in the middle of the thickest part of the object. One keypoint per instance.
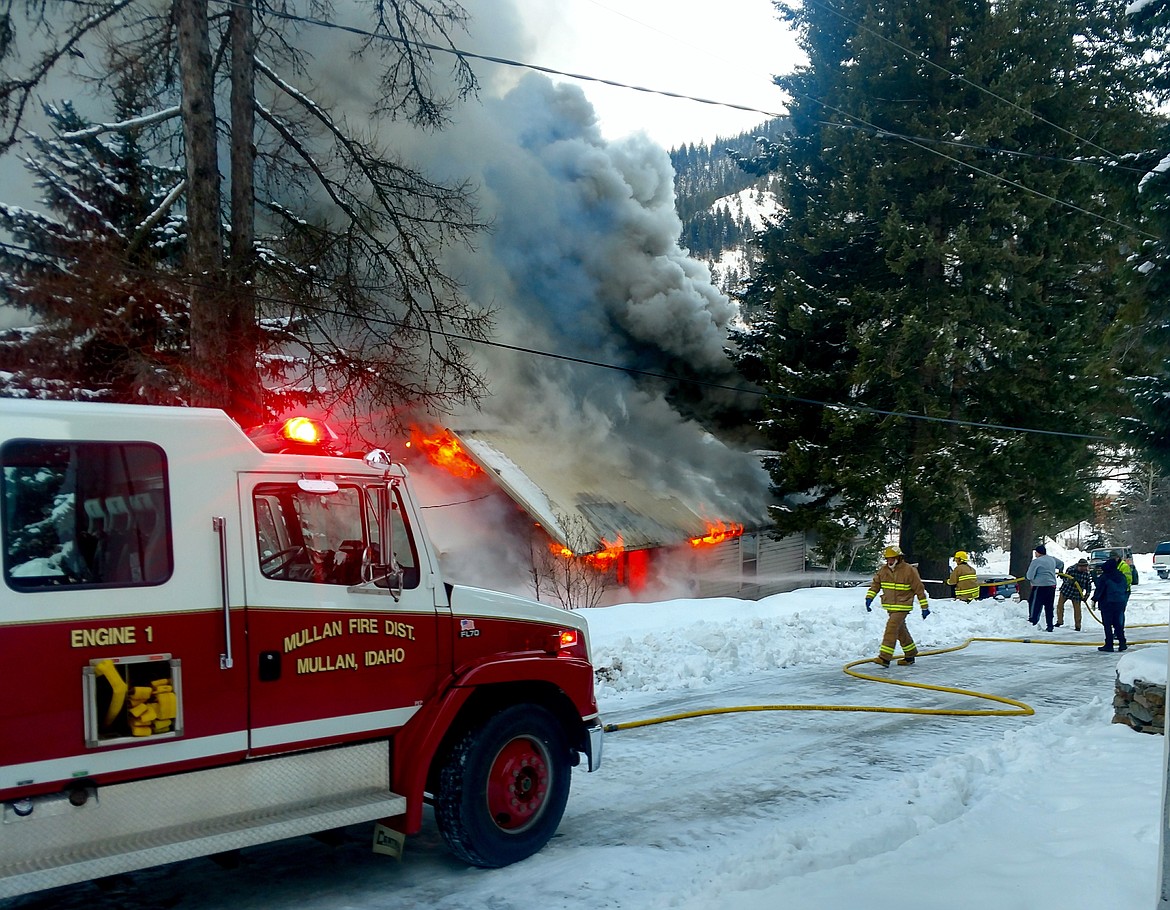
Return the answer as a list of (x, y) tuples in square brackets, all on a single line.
[(721, 206)]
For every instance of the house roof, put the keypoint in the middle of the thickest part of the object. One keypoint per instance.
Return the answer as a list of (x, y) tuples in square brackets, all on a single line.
[(587, 500)]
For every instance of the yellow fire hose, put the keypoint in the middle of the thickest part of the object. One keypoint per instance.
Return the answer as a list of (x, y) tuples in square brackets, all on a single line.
[(1018, 709)]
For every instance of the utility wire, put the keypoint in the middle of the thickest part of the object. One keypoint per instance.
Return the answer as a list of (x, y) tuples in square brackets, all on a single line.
[(890, 134), (979, 170), (987, 149), (878, 131), (919, 143), (193, 284), (503, 61)]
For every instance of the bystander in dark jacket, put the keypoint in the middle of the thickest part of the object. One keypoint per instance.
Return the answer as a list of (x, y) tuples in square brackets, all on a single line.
[(1111, 597)]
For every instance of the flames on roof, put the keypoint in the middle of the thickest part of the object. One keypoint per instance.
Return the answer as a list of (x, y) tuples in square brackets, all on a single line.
[(560, 487), (443, 450)]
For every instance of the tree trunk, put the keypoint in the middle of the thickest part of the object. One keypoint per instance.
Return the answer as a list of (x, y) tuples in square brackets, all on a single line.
[(246, 403), (933, 570), (1023, 540), (204, 241)]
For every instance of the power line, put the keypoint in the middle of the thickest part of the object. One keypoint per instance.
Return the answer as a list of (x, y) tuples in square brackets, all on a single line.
[(890, 134), (193, 284), (986, 149), (504, 61), (921, 143), (959, 76)]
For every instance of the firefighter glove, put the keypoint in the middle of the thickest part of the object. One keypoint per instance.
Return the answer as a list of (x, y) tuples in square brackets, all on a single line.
[(925, 612), (868, 605)]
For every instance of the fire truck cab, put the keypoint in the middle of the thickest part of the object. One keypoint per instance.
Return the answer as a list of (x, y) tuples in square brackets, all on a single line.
[(217, 639)]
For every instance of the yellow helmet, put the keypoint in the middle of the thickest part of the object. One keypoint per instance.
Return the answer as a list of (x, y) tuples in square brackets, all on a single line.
[(961, 555), (891, 552)]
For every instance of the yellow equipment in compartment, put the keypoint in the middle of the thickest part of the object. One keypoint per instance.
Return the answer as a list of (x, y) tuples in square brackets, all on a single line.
[(149, 709)]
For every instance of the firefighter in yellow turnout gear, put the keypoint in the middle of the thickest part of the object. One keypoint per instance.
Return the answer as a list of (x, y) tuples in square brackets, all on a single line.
[(963, 579), (898, 583)]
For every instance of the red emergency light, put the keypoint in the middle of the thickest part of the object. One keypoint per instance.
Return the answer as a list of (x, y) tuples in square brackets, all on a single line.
[(298, 435)]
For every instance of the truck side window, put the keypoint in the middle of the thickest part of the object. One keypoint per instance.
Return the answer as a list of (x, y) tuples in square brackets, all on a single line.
[(313, 537), (84, 514)]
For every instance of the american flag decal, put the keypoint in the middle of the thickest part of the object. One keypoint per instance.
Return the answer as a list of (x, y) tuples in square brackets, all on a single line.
[(465, 624)]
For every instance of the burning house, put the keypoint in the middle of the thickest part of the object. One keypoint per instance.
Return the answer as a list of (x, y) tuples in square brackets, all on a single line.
[(643, 535)]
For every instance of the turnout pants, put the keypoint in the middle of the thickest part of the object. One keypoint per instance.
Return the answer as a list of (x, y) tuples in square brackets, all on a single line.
[(897, 633)]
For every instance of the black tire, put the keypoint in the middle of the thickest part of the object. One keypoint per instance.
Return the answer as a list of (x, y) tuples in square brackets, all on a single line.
[(503, 787)]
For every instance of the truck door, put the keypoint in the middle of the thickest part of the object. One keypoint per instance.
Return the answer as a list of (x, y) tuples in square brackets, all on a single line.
[(336, 651)]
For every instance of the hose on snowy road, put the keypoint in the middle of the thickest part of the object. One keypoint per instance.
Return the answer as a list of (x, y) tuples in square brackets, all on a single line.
[(1016, 708)]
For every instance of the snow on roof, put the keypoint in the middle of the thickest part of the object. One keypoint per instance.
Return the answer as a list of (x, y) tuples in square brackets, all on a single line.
[(556, 484)]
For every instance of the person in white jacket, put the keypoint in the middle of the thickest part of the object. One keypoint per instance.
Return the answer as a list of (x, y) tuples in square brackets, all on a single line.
[(1042, 574)]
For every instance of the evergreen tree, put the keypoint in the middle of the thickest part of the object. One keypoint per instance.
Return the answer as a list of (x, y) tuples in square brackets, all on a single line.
[(323, 233), (911, 275), (1145, 340), (94, 273)]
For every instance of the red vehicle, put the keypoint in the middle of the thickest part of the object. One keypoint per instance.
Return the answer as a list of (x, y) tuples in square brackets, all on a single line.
[(224, 639)]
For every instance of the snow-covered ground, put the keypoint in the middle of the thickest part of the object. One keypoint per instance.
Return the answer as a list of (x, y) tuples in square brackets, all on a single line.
[(1064, 812), (800, 808)]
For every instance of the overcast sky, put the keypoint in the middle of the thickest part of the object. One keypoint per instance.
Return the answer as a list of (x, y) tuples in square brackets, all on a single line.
[(726, 52)]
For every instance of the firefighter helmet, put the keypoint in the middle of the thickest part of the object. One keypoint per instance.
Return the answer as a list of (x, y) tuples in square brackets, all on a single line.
[(891, 552), (961, 555)]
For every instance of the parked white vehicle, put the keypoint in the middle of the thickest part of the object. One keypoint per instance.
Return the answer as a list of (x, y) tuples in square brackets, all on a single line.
[(1162, 559)]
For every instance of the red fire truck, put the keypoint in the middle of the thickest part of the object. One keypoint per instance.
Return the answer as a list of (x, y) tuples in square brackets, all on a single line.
[(215, 639)]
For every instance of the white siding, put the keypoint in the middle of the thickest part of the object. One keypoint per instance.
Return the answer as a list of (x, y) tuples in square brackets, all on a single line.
[(779, 566)]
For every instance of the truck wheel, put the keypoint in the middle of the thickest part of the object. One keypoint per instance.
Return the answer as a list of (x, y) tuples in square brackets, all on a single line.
[(503, 788)]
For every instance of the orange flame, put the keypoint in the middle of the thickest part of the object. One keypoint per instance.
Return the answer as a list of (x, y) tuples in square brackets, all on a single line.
[(444, 451), (717, 532), (601, 560)]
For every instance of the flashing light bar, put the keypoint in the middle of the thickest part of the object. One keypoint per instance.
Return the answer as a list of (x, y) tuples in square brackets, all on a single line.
[(300, 435)]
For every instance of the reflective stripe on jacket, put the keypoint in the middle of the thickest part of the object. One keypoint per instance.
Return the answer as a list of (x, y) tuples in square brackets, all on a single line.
[(898, 586), (965, 582)]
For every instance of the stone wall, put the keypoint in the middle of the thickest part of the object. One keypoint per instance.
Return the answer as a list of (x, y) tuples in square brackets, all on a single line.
[(1141, 706)]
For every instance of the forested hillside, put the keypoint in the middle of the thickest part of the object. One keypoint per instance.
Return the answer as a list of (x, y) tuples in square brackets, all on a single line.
[(716, 200)]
